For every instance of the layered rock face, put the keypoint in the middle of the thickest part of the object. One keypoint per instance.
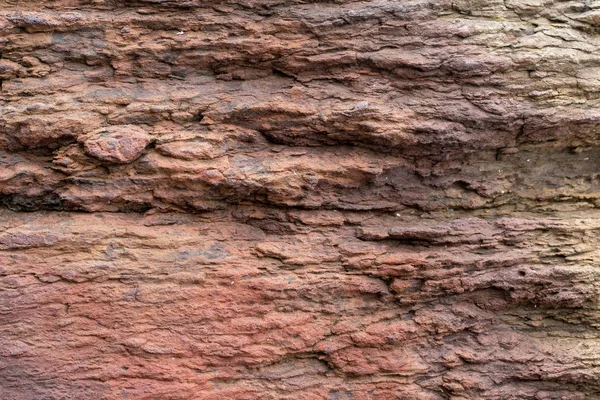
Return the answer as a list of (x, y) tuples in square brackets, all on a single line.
[(299, 200)]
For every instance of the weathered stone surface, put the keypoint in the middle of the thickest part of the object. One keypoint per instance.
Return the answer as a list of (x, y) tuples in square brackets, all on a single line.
[(299, 200), (259, 303), (119, 144)]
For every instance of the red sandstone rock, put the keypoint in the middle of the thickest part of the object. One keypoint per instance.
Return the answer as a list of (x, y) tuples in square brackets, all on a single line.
[(119, 144), (187, 302), (299, 200)]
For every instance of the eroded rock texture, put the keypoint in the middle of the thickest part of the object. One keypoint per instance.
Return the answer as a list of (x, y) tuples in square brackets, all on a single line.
[(260, 199)]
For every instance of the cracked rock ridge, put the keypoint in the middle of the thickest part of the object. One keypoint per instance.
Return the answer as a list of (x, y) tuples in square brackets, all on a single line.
[(256, 199)]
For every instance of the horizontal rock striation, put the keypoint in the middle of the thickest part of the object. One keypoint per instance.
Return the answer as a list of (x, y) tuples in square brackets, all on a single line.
[(263, 303), (239, 199), (361, 105)]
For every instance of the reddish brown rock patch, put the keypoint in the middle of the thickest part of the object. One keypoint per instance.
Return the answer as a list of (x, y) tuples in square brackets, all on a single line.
[(118, 144)]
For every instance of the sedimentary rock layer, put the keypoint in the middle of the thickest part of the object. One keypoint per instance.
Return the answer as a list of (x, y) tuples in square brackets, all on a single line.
[(299, 200), (357, 105), (271, 304)]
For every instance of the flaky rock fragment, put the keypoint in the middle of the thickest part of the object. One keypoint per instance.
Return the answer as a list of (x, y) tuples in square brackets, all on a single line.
[(117, 144), (8, 69)]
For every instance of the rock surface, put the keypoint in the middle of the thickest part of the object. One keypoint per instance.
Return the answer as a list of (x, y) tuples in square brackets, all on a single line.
[(118, 145), (231, 199)]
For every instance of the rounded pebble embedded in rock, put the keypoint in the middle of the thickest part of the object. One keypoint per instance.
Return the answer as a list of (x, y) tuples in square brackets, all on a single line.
[(117, 144)]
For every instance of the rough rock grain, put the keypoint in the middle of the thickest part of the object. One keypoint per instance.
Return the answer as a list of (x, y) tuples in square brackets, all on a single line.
[(118, 144), (256, 199)]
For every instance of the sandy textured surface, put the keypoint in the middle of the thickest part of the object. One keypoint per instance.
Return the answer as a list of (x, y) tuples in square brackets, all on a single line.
[(299, 200)]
